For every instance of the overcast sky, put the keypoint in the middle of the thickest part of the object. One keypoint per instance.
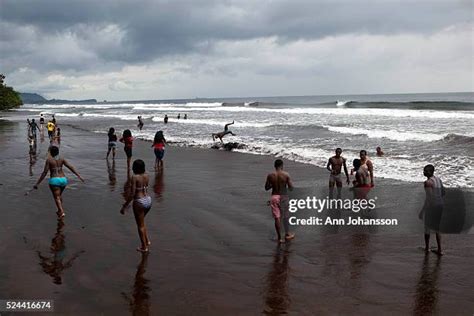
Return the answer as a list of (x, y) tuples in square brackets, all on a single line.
[(132, 50)]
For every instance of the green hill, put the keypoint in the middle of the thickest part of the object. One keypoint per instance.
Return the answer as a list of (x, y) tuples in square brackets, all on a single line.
[(9, 98)]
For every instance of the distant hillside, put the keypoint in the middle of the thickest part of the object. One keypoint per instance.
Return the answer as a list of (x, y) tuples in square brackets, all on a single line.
[(36, 98), (32, 98)]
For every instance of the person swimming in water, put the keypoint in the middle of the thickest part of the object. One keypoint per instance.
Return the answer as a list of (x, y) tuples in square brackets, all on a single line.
[(57, 181), (141, 202), (226, 131), (379, 152)]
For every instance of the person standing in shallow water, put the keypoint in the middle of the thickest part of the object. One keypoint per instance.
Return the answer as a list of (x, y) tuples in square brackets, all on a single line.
[(112, 144), (335, 165), (57, 181), (367, 164), (140, 122), (127, 139), (166, 119), (433, 208), (280, 182), (141, 201), (159, 143)]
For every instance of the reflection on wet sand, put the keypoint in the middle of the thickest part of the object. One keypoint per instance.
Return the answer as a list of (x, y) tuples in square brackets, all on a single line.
[(33, 157), (112, 176), (426, 296), (276, 296), (359, 257), (53, 265), (159, 185), (140, 301)]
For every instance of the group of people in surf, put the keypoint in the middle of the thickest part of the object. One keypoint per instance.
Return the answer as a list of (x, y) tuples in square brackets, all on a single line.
[(280, 183)]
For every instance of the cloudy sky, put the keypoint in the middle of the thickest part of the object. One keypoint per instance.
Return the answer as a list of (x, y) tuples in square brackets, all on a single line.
[(132, 50)]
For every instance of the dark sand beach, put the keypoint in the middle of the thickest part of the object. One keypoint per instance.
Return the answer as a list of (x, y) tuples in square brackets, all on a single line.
[(213, 246)]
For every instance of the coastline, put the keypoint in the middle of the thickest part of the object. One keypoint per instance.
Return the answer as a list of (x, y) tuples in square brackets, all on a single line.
[(212, 234)]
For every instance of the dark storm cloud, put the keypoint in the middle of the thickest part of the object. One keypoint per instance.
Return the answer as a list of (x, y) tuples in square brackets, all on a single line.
[(128, 32)]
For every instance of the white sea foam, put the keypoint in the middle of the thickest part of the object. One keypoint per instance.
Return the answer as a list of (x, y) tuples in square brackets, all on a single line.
[(390, 134)]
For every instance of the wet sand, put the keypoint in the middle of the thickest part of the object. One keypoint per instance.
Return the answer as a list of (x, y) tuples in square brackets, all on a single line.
[(213, 248)]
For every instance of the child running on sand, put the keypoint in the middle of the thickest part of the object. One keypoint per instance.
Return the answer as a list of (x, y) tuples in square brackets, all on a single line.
[(127, 139), (112, 144), (159, 148), (141, 201), (57, 180), (280, 182)]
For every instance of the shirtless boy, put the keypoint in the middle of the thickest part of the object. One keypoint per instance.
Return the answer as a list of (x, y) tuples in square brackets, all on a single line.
[(335, 164), (279, 181)]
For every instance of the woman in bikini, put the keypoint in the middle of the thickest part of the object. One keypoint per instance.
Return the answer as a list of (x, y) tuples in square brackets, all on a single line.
[(141, 201), (57, 180)]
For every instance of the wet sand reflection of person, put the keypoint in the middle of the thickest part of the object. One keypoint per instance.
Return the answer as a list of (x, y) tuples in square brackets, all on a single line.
[(53, 265), (139, 303), (426, 296), (32, 154), (112, 176), (277, 299), (158, 186)]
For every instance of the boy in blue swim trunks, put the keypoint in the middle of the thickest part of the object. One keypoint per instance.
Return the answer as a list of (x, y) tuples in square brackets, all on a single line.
[(57, 181)]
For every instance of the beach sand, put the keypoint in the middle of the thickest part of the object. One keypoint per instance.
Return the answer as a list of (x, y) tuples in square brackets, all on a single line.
[(213, 246)]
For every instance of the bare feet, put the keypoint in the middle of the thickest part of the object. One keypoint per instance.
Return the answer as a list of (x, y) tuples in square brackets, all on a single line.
[(60, 215), (438, 252), (289, 236), (281, 241), (148, 243), (140, 249)]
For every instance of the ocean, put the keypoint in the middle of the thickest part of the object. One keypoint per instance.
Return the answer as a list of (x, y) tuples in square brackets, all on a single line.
[(412, 129)]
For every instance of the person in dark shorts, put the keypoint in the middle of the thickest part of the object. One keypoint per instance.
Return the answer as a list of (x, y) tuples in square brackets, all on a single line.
[(127, 139), (112, 144), (226, 131), (166, 119), (140, 122), (159, 143)]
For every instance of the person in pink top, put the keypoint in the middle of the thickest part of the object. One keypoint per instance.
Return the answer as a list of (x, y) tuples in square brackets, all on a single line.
[(127, 139), (159, 148)]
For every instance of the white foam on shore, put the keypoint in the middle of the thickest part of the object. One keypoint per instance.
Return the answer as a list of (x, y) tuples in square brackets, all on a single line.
[(390, 134)]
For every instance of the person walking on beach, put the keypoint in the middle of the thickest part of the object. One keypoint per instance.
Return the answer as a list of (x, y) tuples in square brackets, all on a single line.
[(141, 202), (51, 128), (433, 207), (226, 131), (140, 122), (42, 124), (179, 116), (166, 119), (53, 120), (127, 139), (112, 144), (185, 116), (159, 143), (280, 182), (33, 127), (57, 181), (334, 165), (366, 163)]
